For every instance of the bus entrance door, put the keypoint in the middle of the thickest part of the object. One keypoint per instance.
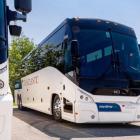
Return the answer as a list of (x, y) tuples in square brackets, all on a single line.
[(68, 104)]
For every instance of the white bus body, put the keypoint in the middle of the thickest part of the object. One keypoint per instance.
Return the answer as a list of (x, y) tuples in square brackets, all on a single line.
[(6, 100), (38, 89), (79, 74), (6, 103)]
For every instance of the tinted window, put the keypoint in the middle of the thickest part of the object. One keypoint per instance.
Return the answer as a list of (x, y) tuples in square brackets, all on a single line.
[(94, 49), (3, 43), (51, 53), (1, 18), (68, 57), (108, 51), (127, 50), (53, 56), (94, 56)]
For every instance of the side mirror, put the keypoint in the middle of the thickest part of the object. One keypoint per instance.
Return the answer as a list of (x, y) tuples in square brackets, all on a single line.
[(15, 30), (24, 6), (74, 52), (74, 48)]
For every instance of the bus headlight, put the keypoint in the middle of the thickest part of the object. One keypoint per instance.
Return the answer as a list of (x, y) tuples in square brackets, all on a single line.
[(85, 97)]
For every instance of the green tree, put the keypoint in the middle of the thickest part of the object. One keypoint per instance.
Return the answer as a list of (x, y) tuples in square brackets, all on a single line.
[(19, 48)]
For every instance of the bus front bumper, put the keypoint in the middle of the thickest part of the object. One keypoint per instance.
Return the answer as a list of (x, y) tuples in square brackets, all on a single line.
[(88, 113)]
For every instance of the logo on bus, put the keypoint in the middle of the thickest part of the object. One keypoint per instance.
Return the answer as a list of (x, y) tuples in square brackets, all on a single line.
[(108, 107), (31, 81)]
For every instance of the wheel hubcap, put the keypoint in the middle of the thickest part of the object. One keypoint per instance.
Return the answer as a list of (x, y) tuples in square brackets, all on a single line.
[(57, 108)]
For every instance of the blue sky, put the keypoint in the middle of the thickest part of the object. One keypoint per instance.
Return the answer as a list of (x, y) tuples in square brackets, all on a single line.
[(48, 14)]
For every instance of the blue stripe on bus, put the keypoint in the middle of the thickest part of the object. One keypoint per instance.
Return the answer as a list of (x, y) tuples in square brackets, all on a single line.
[(108, 107)]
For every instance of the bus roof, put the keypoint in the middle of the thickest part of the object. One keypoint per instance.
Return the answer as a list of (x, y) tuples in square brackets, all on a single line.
[(98, 24)]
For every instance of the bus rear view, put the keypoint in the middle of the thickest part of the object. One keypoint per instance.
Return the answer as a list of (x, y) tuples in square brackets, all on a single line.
[(85, 71)]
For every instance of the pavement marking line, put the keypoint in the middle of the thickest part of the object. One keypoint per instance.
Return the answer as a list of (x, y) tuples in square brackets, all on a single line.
[(22, 129), (110, 138)]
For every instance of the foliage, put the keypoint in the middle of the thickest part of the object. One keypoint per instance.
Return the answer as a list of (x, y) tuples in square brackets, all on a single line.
[(19, 48)]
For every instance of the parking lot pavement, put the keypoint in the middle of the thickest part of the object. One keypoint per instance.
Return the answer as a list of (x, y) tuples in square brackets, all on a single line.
[(32, 125), (24, 131)]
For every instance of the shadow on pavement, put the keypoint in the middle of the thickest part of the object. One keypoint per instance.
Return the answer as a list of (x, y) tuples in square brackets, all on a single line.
[(66, 130)]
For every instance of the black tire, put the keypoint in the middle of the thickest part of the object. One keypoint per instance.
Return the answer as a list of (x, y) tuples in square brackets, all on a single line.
[(19, 102), (57, 108)]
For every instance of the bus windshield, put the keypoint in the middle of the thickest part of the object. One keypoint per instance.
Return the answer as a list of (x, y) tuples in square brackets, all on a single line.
[(91, 45), (1, 19), (128, 51), (97, 47)]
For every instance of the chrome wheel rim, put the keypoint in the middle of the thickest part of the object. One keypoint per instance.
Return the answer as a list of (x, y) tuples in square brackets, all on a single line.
[(57, 108)]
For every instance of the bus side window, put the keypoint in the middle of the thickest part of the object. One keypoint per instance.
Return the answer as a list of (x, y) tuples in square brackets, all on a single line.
[(107, 51), (96, 55), (67, 57), (59, 53), (18, 84)]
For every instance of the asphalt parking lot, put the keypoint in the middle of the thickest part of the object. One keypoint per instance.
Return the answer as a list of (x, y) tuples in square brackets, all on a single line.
[(33, 125)]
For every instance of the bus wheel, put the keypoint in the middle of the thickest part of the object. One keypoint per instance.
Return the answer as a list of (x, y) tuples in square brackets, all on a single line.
[(57, 108), (19, 102)]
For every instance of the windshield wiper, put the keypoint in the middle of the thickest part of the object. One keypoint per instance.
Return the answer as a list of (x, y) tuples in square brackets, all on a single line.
[(115, 56), (117, 61), (128, 77)]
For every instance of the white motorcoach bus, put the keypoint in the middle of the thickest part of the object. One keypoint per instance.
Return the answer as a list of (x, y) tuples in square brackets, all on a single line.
[(6, 100), (85, 71)]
